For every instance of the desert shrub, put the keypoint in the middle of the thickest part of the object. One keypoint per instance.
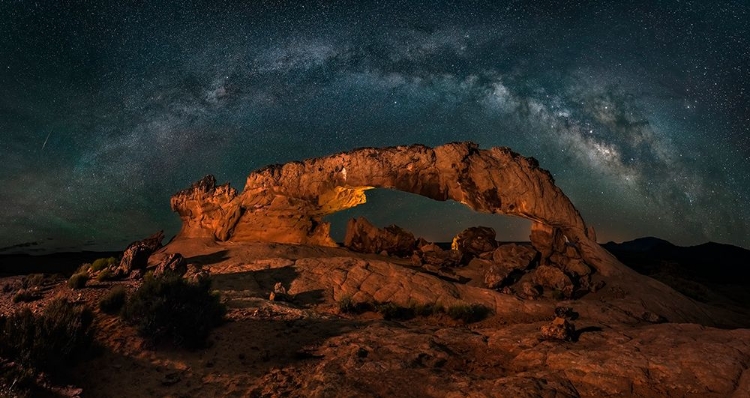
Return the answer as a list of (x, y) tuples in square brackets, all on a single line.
[(84, 268), (47, 342), (102, 263), (347, 305), (105, 275), (468, 313), (393, 311), (78, 281), (426, 309), (171, 308), (17, 381), (33, 280), (26, 296), (113, 301)]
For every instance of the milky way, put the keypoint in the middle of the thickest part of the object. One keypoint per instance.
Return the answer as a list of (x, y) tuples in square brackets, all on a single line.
[(639, 111)]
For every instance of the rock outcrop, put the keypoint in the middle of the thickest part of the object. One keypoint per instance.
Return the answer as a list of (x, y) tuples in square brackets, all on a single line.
[(172, 263), (474, 241), (363, 237), (286, 203), (135, 256)]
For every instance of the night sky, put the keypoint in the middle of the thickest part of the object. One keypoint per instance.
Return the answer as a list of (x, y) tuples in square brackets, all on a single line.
[(641, 111)]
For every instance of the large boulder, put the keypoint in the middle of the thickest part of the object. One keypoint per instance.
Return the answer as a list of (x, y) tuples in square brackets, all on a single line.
[(546, 240), (559, 329), (135, 256), (553, 278), (514, 256), (474, 241), (433, 254), (173, 263), (495, 276), (362, 236)]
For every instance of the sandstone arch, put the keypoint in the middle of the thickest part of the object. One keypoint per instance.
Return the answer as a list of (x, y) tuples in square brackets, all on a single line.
[(286, 203)]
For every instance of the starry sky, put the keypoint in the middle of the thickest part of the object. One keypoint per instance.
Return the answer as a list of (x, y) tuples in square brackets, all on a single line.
[(641, 110)]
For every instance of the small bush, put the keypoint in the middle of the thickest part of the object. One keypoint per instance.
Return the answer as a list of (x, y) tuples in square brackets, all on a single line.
[(105, 275), (78, 281), (393, 311), (26, 296), (84, 268), (113, 301), (171, 308), (33, 280), (346, 305), (102, 263), (17, 381), (426, 309), (47, 342), (468, 313)]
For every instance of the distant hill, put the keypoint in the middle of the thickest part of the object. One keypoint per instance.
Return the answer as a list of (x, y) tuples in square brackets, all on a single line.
[(19, 264), (711, 262), (706, 272)]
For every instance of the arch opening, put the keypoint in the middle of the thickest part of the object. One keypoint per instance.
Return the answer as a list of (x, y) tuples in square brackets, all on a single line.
[(435, 221)]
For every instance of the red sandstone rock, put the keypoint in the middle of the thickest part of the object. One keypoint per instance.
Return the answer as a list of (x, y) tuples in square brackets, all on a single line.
[(514, 256), (560, 329), (474, 241), (363, 237), (287, 203), (553, 278), (137, 253), (172, 263)]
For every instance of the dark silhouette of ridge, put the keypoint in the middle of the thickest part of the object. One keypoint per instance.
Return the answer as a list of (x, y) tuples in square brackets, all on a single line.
[(697, 271)]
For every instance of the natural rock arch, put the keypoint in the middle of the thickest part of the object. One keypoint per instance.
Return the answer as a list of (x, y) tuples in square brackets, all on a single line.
[(286, 203)]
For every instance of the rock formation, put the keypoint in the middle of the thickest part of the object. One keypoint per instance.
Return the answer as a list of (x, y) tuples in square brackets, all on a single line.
[(286, 203), (474, 241), (135, 256), (363, 237)]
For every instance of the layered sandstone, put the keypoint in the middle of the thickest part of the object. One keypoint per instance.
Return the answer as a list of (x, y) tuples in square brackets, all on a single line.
[(286, 203)]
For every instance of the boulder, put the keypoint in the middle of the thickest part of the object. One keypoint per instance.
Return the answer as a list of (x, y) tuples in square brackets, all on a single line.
[(530, 290), (279, 293), (432, 254), (553, 278), (172, 263), (577, 268), (362, 236), (474, 241), (137, 253), (560, 329), (546, 240), (495, 275), (514, 256), (196, 274)]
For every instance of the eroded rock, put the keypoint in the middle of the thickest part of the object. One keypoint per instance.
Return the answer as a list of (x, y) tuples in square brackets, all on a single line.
[(553, 278), (362, 236), (495, 275), (432, 254), (514, 256), (560, 329), (474, 241), (137, 253), (287, 203), (172, 263)]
